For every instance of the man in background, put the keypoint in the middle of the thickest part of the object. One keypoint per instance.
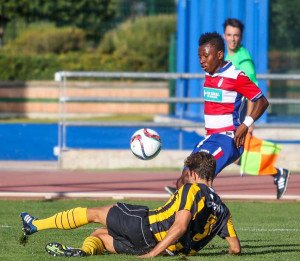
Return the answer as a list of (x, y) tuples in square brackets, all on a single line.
[(241, 59)]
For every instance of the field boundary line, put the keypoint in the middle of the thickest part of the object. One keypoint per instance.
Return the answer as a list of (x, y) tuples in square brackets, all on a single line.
[(112, 195)]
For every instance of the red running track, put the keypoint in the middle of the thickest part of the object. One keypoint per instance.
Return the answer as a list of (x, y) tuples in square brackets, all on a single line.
[(132, 184)]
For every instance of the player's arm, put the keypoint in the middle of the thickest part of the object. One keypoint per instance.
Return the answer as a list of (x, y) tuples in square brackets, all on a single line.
[(178, 228), (234, 245), (248, 89), (247, 66), (259, 108), (250, 106)]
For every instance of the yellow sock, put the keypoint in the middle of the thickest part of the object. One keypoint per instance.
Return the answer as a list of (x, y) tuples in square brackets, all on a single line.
[(69, 219), (92, 246)]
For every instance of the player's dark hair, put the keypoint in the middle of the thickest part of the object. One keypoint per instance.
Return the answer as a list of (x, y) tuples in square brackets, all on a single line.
[(234, 23), (204, 164), (213, 38)]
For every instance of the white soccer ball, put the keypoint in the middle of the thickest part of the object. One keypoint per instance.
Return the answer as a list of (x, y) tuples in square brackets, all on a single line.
[(145, 144)]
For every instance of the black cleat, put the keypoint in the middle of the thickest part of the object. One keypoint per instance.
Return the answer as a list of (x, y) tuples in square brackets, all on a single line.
[(57, 249), (170, 190), (28, 228), (282, 181)]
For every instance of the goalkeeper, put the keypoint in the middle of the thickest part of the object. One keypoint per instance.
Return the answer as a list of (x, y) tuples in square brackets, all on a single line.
[(192, 217)]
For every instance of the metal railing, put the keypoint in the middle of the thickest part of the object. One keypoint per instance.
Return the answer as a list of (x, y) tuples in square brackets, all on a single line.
[(64, 99), (59, 76)]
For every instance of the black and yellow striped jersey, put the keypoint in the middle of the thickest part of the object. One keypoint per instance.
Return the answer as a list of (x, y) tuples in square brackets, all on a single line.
[(210, 217)]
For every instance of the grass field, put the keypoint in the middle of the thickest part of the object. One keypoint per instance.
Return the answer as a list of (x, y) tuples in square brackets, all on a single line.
[(267, 230)]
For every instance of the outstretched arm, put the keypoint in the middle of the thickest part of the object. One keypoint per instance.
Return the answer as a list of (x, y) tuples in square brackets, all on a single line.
[(250, 106), (259, 108), (178, 228), (234, 245)]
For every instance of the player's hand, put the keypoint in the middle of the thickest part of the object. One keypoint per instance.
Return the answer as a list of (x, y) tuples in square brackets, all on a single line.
[(148, 255), (240, 135)]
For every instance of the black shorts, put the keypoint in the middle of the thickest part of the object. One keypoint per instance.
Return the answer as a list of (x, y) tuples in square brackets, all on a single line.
[(130, 229)]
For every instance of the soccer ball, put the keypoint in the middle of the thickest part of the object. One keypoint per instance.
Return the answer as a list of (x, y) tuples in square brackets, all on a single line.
[(145, 144)]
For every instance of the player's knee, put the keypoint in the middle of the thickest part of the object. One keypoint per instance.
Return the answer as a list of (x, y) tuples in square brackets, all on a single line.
[(99, 232)]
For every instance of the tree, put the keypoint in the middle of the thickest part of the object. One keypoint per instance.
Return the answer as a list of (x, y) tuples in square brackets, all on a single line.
[(94, 16), (13, 9), (284, 24)]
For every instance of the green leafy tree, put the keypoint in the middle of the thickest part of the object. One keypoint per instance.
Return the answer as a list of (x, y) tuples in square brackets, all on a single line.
[(284, 24), (141, 44), (94, 16), (14, 9), (133, 8)]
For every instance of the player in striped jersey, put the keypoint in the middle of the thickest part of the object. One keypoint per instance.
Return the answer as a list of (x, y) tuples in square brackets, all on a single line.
[(196, 202), (192, 217), (224, 88)]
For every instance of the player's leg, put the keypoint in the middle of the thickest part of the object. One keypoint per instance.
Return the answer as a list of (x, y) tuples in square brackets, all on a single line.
[(281, 180), (98, 214), (183, 178), (106, 239), (221, 146), (92, 245), (223, 149), (65, 220)]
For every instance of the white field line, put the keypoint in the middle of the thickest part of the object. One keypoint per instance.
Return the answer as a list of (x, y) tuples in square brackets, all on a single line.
[(270, 229), (112, 195), (239, 229)]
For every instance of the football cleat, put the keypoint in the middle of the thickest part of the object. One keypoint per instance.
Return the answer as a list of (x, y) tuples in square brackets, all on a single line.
[(57, 249), (28, 228), (282, 181), (170, 190)]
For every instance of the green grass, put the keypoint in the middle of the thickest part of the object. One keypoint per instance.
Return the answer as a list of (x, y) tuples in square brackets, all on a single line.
[(267, 230)]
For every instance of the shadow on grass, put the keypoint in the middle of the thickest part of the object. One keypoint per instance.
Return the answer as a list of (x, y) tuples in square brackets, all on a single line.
[(280, 248)]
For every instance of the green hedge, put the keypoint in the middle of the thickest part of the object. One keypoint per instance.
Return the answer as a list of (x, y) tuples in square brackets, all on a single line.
[(46, 38), (38, 67), (17, 67), (140, 45)]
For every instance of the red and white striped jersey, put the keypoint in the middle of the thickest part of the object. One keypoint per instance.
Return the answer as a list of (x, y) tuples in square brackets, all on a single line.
[(223, 92)]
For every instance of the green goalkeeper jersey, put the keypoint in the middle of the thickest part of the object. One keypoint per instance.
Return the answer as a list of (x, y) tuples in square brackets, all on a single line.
[(243, 61)]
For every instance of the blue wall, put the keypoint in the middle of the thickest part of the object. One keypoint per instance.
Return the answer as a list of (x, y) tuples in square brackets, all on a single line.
[(195, 17), (36, 141), (33, 141)]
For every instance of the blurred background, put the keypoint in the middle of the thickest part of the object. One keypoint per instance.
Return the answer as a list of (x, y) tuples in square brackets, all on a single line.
[(39, 38)]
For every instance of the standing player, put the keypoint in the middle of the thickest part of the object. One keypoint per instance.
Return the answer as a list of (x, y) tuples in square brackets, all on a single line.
[(192, 217), (241, 59), (224, 88)]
